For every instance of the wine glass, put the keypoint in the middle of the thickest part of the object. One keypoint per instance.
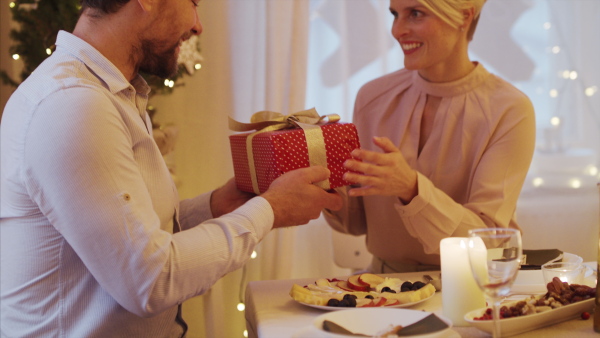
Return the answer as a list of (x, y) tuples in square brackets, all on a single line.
[(495, 258)]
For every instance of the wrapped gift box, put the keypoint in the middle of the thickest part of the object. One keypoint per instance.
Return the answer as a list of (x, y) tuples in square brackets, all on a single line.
[(280, 151)]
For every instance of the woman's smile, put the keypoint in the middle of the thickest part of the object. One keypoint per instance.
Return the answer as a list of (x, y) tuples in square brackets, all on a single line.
[(409, 47)]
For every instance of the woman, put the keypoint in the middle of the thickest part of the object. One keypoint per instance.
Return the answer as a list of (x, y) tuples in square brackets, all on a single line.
[(446, 144)]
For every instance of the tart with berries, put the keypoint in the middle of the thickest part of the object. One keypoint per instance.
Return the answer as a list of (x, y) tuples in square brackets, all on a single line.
[(364, 290)]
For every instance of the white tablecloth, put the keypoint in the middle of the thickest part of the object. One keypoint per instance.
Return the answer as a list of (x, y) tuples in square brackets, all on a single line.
[(272, 313)]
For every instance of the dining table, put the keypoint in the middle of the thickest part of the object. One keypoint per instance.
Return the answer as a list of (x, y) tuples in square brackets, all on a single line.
[(272, 313)]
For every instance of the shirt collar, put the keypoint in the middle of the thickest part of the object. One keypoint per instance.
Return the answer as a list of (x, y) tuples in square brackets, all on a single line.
[(99, 64), (458, 87)]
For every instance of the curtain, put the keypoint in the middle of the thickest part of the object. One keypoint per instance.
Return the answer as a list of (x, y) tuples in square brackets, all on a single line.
[(350, 44), (269, 74)]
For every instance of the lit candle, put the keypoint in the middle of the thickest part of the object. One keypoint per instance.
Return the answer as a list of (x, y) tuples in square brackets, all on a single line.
[(460, 293)]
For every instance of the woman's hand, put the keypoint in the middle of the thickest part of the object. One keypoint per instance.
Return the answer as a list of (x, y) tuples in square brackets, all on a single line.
[(381, 174)]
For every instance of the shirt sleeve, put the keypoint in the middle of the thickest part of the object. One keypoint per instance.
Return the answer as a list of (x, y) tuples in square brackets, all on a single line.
[(85, 176), (194, 211)]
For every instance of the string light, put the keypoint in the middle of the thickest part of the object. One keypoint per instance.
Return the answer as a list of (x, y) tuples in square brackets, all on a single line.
[(575, 183), (48, 51), (591, 170), (197, 66), (587, 173), (569, 74), (241, 306), (15, 56), (246, 333), (590, 91), (169, 83)]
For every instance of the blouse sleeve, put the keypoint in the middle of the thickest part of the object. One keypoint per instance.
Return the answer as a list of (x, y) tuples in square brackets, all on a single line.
[(495, 185)]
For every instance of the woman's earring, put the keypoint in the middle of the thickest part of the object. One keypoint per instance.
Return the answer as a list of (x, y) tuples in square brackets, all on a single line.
[(462, 29)]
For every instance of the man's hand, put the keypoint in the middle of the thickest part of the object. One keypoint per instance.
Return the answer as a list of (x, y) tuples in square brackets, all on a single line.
[(228, 198), (296, 200)]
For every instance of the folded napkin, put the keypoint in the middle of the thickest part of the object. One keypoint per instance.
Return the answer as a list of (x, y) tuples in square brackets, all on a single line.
[(429, 324), (534, 259)]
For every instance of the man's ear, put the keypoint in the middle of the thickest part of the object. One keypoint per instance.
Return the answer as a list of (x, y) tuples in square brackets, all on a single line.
[(147, 5)]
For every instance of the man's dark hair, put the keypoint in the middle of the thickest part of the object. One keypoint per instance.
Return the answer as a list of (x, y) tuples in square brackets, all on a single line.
[(103, 6)]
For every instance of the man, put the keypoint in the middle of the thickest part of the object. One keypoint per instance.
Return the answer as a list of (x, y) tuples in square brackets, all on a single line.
[(94, 240)]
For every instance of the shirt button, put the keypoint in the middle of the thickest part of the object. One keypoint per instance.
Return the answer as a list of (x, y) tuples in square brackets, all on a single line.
[(126, 197)]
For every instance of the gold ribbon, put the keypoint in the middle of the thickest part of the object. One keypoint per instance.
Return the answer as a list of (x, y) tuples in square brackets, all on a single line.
[(309, 120)]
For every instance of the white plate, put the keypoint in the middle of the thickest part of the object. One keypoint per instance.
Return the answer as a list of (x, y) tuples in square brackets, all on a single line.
[(372, 320), (335, 308), (516, 325)]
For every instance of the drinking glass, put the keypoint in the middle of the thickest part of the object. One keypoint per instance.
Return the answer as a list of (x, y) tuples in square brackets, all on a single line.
[(495, 258)]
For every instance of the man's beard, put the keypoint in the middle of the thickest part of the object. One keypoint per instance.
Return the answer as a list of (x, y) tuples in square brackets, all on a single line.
[(162, 64)]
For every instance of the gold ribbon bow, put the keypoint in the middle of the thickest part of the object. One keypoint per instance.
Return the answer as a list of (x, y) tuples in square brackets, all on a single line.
[(309, 120)]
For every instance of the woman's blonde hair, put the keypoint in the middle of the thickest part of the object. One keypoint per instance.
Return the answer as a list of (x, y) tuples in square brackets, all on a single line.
[(451, 11)]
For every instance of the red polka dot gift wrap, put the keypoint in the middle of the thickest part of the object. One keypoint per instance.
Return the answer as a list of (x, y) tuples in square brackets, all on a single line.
[(279, 151)]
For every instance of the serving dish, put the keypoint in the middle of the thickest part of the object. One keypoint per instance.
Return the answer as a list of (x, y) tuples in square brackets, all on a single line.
[(517, 325), (531, 282)]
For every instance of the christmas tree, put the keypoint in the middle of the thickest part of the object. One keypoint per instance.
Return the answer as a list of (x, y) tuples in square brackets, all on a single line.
[(39, 22)]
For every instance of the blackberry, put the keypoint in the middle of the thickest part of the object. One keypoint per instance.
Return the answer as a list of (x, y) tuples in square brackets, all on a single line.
[(417, 286), (333, 302)]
